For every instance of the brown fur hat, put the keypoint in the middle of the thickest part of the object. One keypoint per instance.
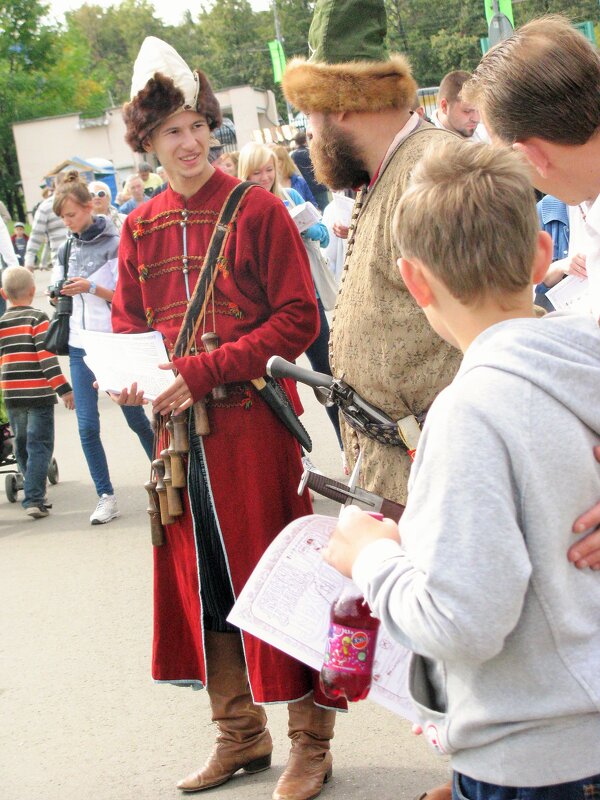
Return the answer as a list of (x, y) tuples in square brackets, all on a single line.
[(349, 86), (158, 100)]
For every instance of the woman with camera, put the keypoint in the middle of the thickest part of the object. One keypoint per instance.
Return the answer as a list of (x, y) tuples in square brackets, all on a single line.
[(90, 258)]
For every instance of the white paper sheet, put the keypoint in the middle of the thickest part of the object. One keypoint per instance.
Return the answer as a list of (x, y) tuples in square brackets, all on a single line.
[(120, 359), (287, 600), (571, 294)]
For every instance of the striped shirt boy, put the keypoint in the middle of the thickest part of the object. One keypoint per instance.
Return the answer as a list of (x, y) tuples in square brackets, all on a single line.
[(29, 375)]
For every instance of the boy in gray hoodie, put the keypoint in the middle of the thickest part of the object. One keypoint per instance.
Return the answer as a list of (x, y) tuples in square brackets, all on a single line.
[(505, 631)]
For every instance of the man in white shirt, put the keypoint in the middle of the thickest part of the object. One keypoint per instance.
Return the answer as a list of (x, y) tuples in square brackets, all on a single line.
[(538, 92), (455, 114)]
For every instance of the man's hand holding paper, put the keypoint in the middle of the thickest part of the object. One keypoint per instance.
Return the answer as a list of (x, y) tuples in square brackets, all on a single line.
[(176, 398)]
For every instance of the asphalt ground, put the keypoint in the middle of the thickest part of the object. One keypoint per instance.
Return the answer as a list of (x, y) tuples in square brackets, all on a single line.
[(80, 716)]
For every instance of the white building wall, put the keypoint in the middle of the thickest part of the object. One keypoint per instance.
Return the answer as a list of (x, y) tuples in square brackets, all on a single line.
[(43, 143)]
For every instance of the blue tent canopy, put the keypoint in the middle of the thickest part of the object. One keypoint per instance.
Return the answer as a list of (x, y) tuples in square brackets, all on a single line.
[(100, 169)]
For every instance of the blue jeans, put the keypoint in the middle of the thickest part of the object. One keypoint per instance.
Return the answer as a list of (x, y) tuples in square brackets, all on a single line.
[(464, 788), (33, 429), (318, 356), (88, 422)]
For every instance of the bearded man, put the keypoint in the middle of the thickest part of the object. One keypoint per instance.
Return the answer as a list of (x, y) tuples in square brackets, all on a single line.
[(364, 134), (358, 102)]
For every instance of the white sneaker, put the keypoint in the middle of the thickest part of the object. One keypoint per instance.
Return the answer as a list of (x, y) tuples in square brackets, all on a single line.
[(105, 510)]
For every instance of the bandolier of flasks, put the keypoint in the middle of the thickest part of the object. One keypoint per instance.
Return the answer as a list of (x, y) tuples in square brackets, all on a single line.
[(168, 470)]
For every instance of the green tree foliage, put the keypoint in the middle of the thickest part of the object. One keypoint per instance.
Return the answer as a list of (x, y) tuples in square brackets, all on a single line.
[(41, 74), (436, 37), (114, 36), (442, 36), (577, 12)]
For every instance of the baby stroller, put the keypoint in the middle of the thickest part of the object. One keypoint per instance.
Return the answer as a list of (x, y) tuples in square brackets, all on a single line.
[(13, 482)]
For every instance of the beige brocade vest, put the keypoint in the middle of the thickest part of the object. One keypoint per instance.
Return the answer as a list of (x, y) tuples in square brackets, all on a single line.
[(381, 343)]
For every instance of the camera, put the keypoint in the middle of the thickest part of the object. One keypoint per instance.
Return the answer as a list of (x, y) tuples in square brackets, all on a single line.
[(55, 290)]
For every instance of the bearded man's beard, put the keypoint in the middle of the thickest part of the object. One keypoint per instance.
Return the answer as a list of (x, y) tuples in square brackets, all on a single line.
[(336, 160)]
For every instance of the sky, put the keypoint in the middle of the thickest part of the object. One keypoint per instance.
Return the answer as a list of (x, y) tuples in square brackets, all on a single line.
[(170, 11)]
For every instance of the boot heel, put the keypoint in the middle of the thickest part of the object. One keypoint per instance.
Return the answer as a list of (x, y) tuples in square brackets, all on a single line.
[(328, 775), (258, 764)]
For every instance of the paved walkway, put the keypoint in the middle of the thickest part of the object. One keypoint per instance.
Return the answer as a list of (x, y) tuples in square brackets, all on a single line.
[(80, 717)]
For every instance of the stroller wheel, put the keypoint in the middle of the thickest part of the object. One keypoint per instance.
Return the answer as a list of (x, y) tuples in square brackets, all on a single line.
[(53, 472), (12, 487)]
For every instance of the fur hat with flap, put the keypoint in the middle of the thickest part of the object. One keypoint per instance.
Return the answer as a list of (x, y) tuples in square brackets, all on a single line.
[(349, 68), (163, 84)]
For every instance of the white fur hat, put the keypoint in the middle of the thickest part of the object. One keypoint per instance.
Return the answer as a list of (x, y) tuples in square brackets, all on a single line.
[(162, 85), (158, 56)]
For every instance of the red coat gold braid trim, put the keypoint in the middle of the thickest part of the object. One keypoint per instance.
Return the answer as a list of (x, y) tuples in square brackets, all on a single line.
[(222, 307), (167, 219), (148, 271)]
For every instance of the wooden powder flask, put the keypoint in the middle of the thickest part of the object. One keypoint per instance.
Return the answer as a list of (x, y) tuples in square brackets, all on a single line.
[(174, 504), (178, 478), (210, 340), (178, 430), (201, 418), (159, 469), (157, 532)]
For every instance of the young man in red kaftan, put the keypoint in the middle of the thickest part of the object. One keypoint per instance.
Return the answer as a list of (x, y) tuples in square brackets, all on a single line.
[(242, 477)]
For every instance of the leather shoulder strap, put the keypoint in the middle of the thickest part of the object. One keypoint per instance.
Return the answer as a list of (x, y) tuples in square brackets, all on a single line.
[(197, 305)]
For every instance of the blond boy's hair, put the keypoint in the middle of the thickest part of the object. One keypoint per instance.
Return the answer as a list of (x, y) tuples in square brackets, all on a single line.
[(17, 282), (469, 215), (543, 81)]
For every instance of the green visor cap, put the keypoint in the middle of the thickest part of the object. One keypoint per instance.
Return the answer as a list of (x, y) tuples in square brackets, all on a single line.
[(347, 30)]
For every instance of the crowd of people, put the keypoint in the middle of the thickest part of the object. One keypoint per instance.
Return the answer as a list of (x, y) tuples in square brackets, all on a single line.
[(434, 322)]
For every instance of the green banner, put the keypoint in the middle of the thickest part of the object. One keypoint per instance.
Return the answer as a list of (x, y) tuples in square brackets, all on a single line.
[(587, 28), (277, 59), (504, 7)]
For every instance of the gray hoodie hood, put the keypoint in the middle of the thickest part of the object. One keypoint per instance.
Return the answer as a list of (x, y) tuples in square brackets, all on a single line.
[(558, 353)]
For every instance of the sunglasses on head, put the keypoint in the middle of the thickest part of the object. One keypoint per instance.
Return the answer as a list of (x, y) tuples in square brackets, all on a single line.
[(100, 193)]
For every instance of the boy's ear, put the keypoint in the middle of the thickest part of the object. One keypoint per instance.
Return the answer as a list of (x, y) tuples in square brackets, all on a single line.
[(543, 256), (416, 281), (535, 153), (444, 105), (3, 293), (147, 145)]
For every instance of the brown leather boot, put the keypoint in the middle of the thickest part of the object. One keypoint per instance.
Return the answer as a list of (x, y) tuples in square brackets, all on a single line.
[(242, 741), (309, 766)]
